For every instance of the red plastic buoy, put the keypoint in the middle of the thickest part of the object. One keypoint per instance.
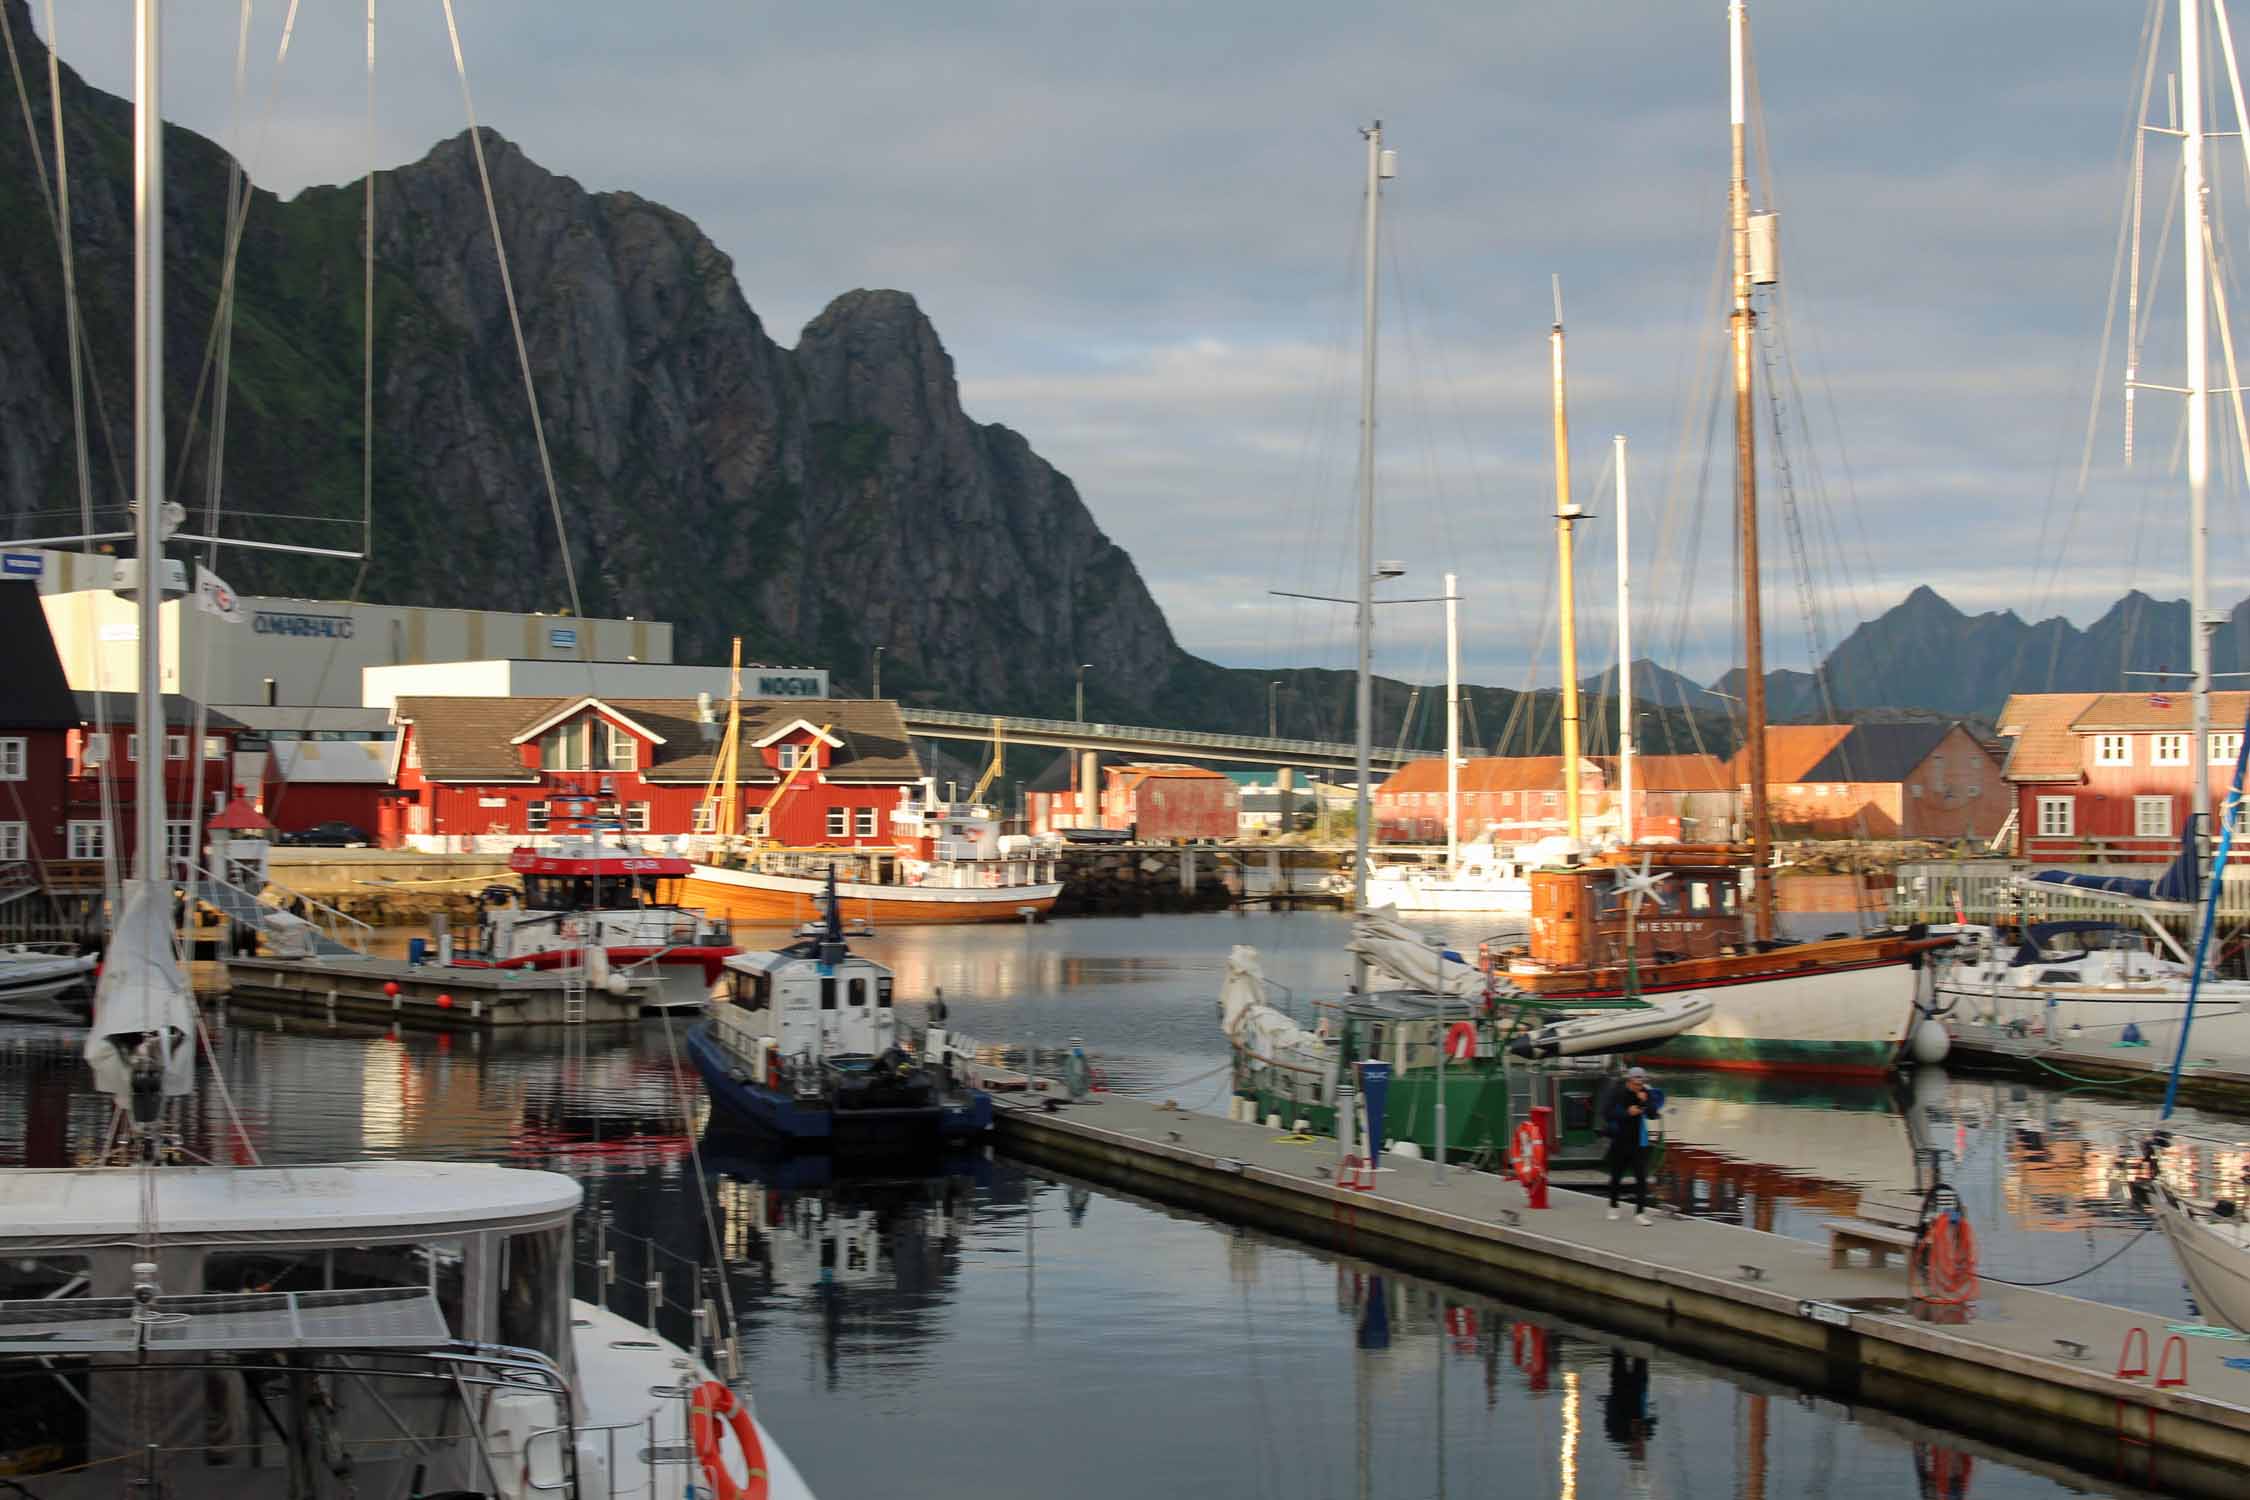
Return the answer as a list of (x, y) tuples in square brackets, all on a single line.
[(390, 988), (445, 1002)]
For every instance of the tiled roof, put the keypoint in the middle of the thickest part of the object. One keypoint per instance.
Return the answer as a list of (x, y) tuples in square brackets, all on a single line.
[(1490, 773), (2042, 746), (1880, 752), (2142, 711), (1791, 751), (470, 739), (1674, 773)]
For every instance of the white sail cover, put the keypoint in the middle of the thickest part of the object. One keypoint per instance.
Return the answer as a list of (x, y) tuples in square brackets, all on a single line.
[(142, 992), (1259, 1029), (1405, 959)]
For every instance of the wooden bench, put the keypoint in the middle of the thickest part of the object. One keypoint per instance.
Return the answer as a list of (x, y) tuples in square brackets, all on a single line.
[(1878, 1229)]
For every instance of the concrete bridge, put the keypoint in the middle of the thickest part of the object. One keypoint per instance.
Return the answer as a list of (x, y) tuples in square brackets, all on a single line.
[(1145, 742)]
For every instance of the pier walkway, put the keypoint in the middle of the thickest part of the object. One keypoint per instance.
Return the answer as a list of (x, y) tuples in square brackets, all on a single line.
[(2028, 1369)]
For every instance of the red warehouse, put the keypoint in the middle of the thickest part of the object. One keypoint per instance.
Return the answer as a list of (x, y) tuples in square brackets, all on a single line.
[(830, 770), (1170, 804)]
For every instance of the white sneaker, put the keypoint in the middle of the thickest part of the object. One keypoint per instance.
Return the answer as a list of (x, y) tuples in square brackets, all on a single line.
[(1616, 1213), (1642, 1219)]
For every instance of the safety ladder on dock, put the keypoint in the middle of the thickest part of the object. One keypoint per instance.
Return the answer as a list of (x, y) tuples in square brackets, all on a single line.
[(573, 993)]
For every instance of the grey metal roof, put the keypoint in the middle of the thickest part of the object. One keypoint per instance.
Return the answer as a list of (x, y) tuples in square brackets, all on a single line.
[(1879, 752)]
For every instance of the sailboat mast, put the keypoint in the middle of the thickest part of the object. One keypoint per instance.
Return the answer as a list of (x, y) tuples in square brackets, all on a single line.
[(1452, 725), (148, 434), (1746, 494), (1377, 170), (1566, 517), (1624, 657), (2192, 245)]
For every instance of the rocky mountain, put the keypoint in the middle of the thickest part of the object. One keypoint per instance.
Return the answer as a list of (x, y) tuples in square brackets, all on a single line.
[(818, 501)]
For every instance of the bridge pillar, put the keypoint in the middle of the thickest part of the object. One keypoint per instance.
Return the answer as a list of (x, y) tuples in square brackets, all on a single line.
[(1284, 783), (1187, 871), (1090, 788)]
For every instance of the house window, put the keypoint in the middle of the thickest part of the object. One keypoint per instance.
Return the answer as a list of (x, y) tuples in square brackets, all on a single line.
[(623, 749), (2058, 817), (95, 750), (2113, 749), (636, 817), (2169, 750), (839, 822), (2152, 817), (175, 747), (790, 757), (706, 817), (863, 822), (535, 817), (15, 842), (132, 747), (563, 748), (214, 747), (179, 842), (13, 752), (2225, 748), (88, 838)]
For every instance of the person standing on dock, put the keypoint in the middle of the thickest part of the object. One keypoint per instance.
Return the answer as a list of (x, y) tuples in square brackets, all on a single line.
[(1625, 1117)]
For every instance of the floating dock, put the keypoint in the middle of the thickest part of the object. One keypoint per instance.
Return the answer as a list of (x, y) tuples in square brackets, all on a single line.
[(2030, 1370), (390, 991), (1996, 1049)]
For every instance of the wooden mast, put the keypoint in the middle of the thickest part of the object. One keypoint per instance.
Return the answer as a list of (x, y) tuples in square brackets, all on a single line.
[(1566, 516), (1746, 499)]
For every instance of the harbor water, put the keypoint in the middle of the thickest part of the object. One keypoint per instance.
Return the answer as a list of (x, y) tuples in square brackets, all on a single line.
[(973, 1329)]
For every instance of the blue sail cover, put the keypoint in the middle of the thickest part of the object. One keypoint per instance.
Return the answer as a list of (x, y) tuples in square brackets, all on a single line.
[(2180, 881)]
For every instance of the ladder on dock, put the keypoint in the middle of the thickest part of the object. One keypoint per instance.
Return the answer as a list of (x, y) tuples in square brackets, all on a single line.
[(573, 993)]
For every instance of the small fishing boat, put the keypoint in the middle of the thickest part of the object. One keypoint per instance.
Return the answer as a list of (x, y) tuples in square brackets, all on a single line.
[(612, 911), (803, 1044)]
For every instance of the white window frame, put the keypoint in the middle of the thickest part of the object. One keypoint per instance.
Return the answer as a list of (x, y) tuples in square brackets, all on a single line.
[(2170, 749), (839, 822), (179, 840), (133, 748), (214, 747), (15, 757), (15, 842), (620, 751), (863, 822), (636, 817), (2113, 749), (2225, 746), (88, 838), (2057, 817), (175, 747), (535, 816), (789, 757), (2152, 817), (564, 748), (706, 817)]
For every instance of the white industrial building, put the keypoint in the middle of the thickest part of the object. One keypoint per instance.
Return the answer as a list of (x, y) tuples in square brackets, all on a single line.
[(384, 686)]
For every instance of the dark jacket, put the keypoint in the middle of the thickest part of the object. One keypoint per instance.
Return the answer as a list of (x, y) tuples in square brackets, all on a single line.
[(1619, 1126)]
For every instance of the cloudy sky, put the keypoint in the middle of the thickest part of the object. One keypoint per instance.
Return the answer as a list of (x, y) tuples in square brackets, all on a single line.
[(1135, 226)]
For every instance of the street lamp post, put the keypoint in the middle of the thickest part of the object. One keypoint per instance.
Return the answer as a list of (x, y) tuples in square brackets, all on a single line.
[(1082, 666), (875, 671), (1273, 710)]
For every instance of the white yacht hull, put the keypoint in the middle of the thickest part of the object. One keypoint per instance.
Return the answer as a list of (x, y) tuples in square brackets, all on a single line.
[(2214, 1255), (2090, 1016)]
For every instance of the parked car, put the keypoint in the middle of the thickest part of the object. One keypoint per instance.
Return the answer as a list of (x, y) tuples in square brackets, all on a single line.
[(335, 835)]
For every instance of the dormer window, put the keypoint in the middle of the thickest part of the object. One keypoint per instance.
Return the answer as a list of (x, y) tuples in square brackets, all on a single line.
[(587, 744), (789, 757)]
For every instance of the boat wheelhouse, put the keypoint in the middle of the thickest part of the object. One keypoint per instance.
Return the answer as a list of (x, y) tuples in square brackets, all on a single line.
[(583, 899)]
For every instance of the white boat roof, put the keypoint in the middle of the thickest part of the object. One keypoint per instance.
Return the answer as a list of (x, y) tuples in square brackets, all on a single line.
[(770, 962), (52, 1203)]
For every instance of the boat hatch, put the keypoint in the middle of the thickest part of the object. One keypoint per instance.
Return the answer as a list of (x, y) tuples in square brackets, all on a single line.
[(362, 1318)]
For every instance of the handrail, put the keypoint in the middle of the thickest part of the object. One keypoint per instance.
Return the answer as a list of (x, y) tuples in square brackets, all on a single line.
[(341, 926)]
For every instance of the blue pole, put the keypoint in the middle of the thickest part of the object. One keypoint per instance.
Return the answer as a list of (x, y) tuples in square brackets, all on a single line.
[(2227, 818)]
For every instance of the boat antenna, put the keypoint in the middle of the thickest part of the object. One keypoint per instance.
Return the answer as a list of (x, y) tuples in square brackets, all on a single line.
[(832, 922), (1744, 322)]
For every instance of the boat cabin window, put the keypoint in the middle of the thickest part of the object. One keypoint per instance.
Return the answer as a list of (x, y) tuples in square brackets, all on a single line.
[(435, 1264), (883, 991), (858, 992), (531, 1290), (750, 991), (828, 994), (597, 892), (44, 1276)]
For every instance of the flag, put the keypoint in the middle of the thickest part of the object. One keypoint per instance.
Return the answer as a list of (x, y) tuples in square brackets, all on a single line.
[(214, 596), (2159, 700)]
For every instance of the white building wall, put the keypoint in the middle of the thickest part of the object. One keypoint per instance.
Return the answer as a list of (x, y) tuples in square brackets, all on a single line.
[(384, 686)]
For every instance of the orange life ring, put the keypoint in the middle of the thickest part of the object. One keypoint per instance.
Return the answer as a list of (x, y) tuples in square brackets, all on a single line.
[(712, 1411), (1461, 1041)]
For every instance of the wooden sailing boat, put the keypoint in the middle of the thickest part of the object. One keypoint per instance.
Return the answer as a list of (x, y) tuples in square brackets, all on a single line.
[(1841, 1007)]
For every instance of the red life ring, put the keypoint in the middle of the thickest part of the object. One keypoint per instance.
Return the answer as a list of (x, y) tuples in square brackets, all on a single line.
[(1461, 1041), (1530, 1155), (711, 1412)]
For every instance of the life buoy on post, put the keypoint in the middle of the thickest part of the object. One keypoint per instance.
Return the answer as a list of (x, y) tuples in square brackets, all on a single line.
[(712, 1412), (1529, 1157), (1460, 1041)]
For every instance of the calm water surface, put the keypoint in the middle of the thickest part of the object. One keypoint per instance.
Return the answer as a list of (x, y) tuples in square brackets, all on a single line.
[(978, 1331)]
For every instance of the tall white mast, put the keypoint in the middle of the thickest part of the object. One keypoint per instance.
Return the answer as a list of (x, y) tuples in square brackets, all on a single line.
[(1624, 658), (1452, 725), (2198, 399), (148, 431), (1378, 168)]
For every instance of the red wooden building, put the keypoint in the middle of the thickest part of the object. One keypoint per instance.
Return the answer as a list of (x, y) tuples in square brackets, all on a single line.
[(1170, 804), (491, 768), (2100, 776), (104, 756), (1924, 778), (309, 782)]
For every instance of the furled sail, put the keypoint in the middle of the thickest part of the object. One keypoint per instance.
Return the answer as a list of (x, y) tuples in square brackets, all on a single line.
[(142, 1041)]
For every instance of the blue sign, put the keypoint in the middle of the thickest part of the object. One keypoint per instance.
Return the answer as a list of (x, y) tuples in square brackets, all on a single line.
[(562, 637), (1374, 1087), (22, 564)]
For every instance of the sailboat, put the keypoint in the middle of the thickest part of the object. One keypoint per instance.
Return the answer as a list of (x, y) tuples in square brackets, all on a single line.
[(180, 1326), (1457, 1087), (1841, 1007)]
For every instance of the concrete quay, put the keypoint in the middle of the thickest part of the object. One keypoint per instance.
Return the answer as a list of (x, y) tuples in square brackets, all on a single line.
[(428, 996), (2030, 1370)]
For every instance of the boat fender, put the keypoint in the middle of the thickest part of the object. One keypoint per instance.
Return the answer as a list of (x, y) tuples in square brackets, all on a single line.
[(597, 968), (712, 1412), (1931, 1042)]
